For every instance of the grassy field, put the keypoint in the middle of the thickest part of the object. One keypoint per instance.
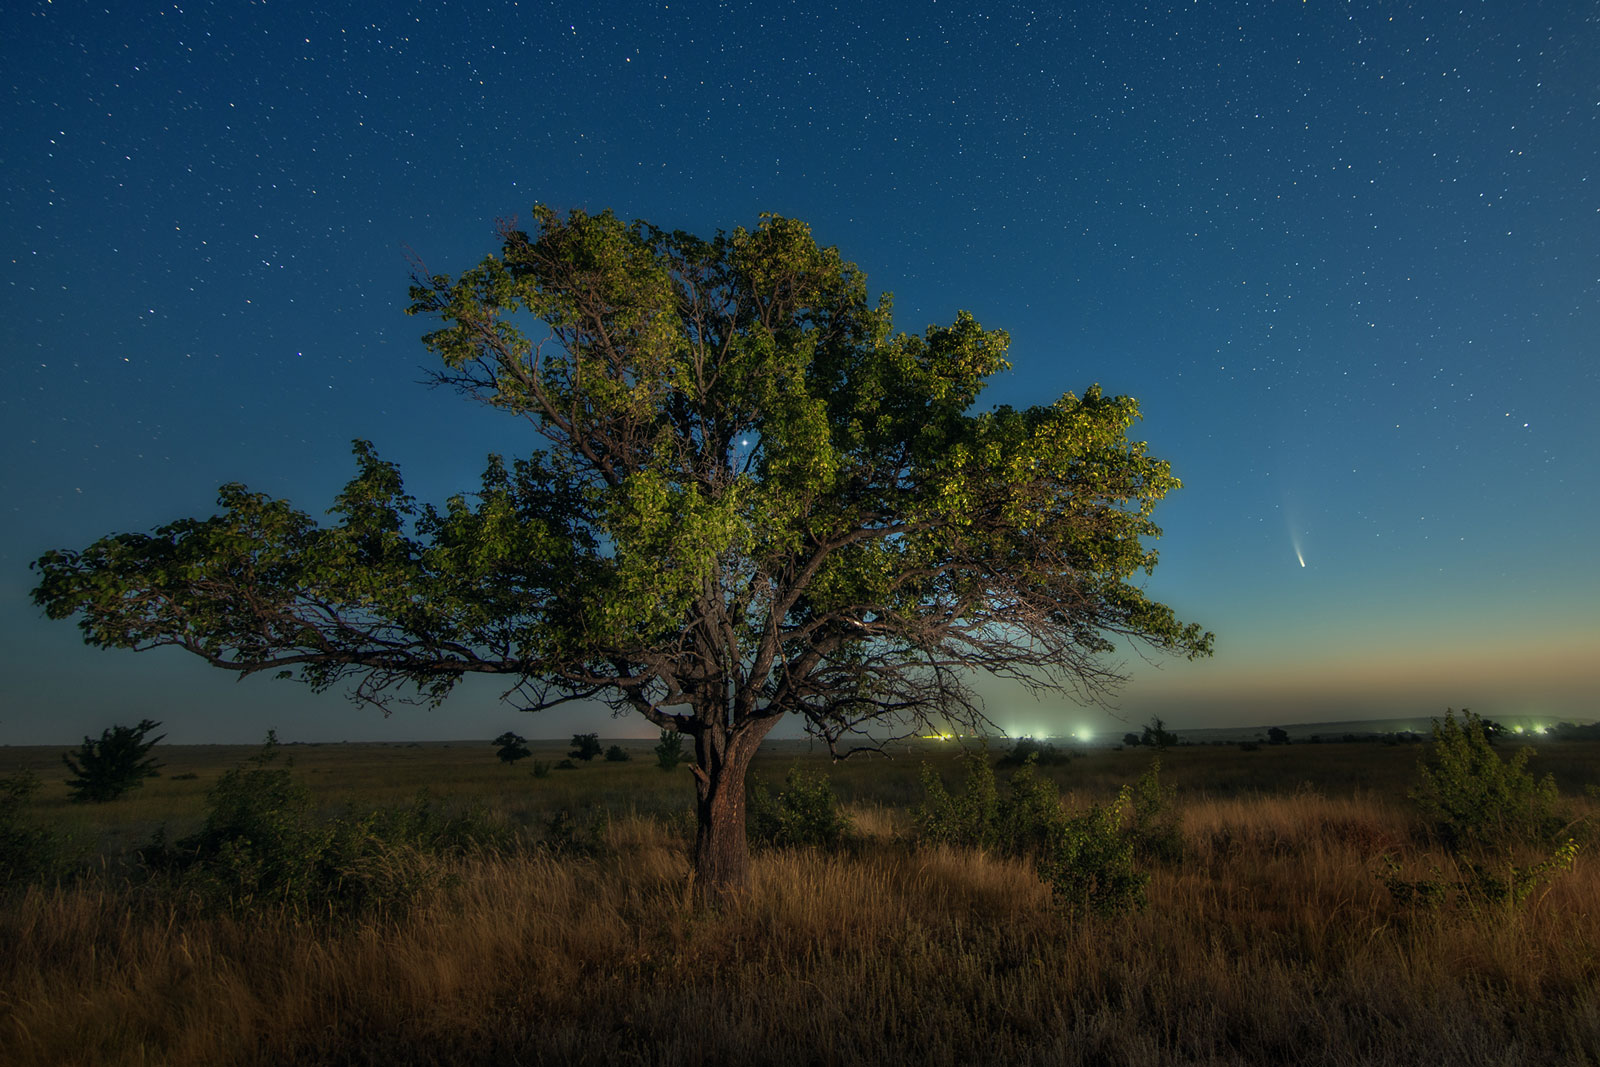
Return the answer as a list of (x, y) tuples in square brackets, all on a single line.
[(1277, 938)]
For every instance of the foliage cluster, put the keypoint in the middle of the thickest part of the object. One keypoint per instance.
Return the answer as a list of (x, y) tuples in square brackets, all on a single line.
[(585, 747), (1086, 856), (263, 844), (116, 764), (1473, 798), (804, 813)]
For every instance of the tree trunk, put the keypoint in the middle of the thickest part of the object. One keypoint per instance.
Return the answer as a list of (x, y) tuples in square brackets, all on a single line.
[(721, 851)]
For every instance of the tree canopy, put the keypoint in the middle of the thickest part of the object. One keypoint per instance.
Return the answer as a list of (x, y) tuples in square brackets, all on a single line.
[(747, 497)]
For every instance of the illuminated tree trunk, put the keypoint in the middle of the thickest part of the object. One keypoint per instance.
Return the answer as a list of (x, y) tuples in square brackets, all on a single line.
[(721, 851)]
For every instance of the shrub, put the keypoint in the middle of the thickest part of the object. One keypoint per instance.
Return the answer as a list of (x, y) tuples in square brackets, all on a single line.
[(27, 854), (669, 751), (511, 748), (566, 836), (1498, 883), (263, 845), (1473, 798), (541, 768), (1042, 753), (968, 819), (585, 746), (805, 813), (117, 763), (1086, 856), (1155, 825), (617, 754)]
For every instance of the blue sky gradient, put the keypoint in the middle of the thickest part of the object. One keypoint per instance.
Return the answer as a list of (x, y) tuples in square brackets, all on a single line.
[(1346, 255)]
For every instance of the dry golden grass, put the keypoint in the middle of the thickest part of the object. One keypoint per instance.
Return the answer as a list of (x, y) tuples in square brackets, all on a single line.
[(1274, 941)]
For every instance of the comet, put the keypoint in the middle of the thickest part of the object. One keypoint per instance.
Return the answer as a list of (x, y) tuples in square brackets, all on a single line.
[(1294, 542)]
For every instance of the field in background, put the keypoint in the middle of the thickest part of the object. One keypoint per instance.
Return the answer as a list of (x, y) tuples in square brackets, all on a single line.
[(1274, 940)]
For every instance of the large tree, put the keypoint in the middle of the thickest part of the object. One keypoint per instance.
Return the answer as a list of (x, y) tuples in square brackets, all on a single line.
[(747, 498)]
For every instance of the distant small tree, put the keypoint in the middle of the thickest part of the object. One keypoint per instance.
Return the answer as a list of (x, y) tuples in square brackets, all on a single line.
[(118, 762), (585, 746), (1132, 740), (511, 747), (1277, 735), (669, 751), (1157, 735), (617, 754)]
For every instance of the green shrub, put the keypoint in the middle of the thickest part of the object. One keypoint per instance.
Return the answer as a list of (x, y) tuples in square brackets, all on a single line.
[(805, 813), (264, 845), (1499, 883), (1090, 865), (968, 819), (541, 768), (585, 746), (1087, 856), (1155, 824), (617, 754), (28, 854), (1476, 800), (669, 751), (116, 764)]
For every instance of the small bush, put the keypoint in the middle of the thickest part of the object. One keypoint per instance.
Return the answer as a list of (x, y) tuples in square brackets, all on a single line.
[(585, 746), (541, 768), (1478, 884), (968, 819), (116, 764), (28, 854), (1042, 753), (1086, 856), (805, 813), (566, 836), (1156, 827), (1476, 800), (617, 754), (263, 845), (669, 751)]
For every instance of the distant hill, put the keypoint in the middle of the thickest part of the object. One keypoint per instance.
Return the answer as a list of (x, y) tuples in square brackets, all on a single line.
[(1528, 725)]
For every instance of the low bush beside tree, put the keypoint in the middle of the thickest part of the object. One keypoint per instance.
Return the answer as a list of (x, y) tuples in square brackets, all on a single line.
[(805, 813)]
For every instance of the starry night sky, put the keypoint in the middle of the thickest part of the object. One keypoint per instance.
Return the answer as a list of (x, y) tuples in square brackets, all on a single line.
[(1347, 255)]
